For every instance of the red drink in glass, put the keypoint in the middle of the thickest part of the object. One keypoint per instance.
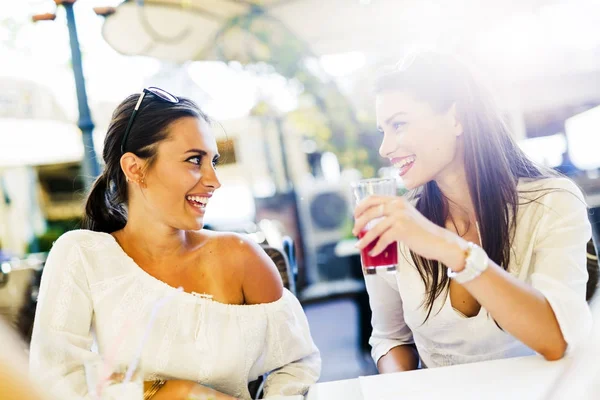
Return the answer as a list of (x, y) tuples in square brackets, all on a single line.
[(386, 260)]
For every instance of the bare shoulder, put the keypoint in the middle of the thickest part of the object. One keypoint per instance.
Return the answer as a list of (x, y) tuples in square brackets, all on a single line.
[(261, 281)]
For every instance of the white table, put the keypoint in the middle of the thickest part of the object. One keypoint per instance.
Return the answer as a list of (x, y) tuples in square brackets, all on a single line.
[(527, 378), (337, 390)]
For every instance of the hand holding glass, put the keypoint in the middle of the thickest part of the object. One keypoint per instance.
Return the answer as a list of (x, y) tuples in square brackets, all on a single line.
[(387, 259)]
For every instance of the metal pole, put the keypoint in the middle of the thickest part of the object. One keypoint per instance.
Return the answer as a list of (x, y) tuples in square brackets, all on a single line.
[(284, 159), (90, 166)]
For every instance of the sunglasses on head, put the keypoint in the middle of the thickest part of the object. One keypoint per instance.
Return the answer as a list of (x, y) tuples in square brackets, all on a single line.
[(160, 94)]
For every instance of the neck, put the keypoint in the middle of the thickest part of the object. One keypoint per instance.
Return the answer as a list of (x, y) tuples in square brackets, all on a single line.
[(151, 239), (454, 186)]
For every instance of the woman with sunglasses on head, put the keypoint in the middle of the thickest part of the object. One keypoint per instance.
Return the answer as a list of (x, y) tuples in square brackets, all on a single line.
[(492, 247), (232, 323)]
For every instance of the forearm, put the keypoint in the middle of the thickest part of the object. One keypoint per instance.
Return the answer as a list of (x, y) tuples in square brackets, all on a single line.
[(294, 378), (186, 390), (520, 310), (517, 307), (400, 358), (170, 390)]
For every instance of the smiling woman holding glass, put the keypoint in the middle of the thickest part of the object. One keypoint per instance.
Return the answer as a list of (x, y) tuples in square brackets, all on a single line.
[(203, 312), (491, 247)]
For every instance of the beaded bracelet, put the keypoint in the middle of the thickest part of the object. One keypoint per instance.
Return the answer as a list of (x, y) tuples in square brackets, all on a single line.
[(151, 391)]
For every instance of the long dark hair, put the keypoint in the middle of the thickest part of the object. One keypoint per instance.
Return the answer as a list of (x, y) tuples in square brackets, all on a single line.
[(105, 209), (493, 161)]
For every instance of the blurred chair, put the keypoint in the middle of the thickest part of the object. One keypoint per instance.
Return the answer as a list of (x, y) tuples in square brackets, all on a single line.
[(593, 268), (282, 250), (18, 294), (592, 253), (256, 387), (289, 248), (285, 261)]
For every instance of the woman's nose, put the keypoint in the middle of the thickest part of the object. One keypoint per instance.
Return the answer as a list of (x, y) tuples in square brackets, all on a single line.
[(388, 145), (210, 178)]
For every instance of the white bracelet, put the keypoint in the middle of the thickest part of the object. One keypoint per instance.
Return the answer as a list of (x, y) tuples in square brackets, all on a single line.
[(476, 261)]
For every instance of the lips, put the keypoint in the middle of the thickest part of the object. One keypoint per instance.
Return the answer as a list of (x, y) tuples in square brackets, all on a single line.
[(400, 162), (199, 202), (404, 164)]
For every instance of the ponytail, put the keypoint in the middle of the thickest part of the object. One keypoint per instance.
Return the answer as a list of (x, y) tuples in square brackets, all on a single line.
[(103, 210)]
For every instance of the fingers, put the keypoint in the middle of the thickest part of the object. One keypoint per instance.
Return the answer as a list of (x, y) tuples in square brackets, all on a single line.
[(375, 207), (379, 229), (384, 241), (376, 211), (366, 204)]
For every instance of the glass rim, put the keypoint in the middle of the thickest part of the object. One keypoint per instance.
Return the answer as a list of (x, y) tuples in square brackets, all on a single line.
[(371, 181)]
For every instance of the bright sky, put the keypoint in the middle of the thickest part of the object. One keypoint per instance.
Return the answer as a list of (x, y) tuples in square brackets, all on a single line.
[(42, 54)]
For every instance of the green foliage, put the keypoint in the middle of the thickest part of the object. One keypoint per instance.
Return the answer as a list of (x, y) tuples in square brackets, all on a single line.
[(43, 243), (326, 114)]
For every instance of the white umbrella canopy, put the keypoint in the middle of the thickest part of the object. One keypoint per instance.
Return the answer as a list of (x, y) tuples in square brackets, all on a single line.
[(25, 99), (34, 128), (38, 142), (192, 30)]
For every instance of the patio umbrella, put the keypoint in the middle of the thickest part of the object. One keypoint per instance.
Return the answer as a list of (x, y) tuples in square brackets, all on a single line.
[(195, 29), (179, 31), (25, 99), (248, 32), (34, 129), (290, 34)]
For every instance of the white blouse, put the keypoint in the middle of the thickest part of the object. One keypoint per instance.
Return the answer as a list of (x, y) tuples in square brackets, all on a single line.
[(93, 295), (548, 253)]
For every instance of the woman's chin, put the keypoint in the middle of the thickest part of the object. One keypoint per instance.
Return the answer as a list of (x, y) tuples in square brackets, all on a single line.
[(199, 224), (407, 182), (194, 225), (411, 183)]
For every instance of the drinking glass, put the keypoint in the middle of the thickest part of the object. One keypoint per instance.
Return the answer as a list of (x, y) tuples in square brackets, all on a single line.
[(388, 258), (105, 383)]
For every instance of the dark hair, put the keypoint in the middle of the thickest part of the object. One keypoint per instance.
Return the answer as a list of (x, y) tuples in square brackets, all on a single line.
[(493, 161), (105, 209)]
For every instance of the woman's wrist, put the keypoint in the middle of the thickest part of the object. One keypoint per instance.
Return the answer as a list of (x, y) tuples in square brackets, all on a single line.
[(151, 388), (452, 251)]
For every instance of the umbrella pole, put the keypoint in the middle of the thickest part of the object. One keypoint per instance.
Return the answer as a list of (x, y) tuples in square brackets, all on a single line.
[(90, 166)]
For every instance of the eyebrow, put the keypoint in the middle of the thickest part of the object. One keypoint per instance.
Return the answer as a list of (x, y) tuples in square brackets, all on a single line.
[(202, 153), (389, 120)]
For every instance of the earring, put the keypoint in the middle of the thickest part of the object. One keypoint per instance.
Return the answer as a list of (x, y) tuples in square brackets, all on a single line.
[(127, 179)]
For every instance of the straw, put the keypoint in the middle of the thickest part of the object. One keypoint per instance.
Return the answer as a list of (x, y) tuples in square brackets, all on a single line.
[(109, 360)]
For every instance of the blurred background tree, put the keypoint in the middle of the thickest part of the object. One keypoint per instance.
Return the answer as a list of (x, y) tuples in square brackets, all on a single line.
[(325, 113)]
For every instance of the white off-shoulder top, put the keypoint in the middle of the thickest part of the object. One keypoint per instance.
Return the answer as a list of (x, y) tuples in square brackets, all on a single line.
[(94, 296)]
